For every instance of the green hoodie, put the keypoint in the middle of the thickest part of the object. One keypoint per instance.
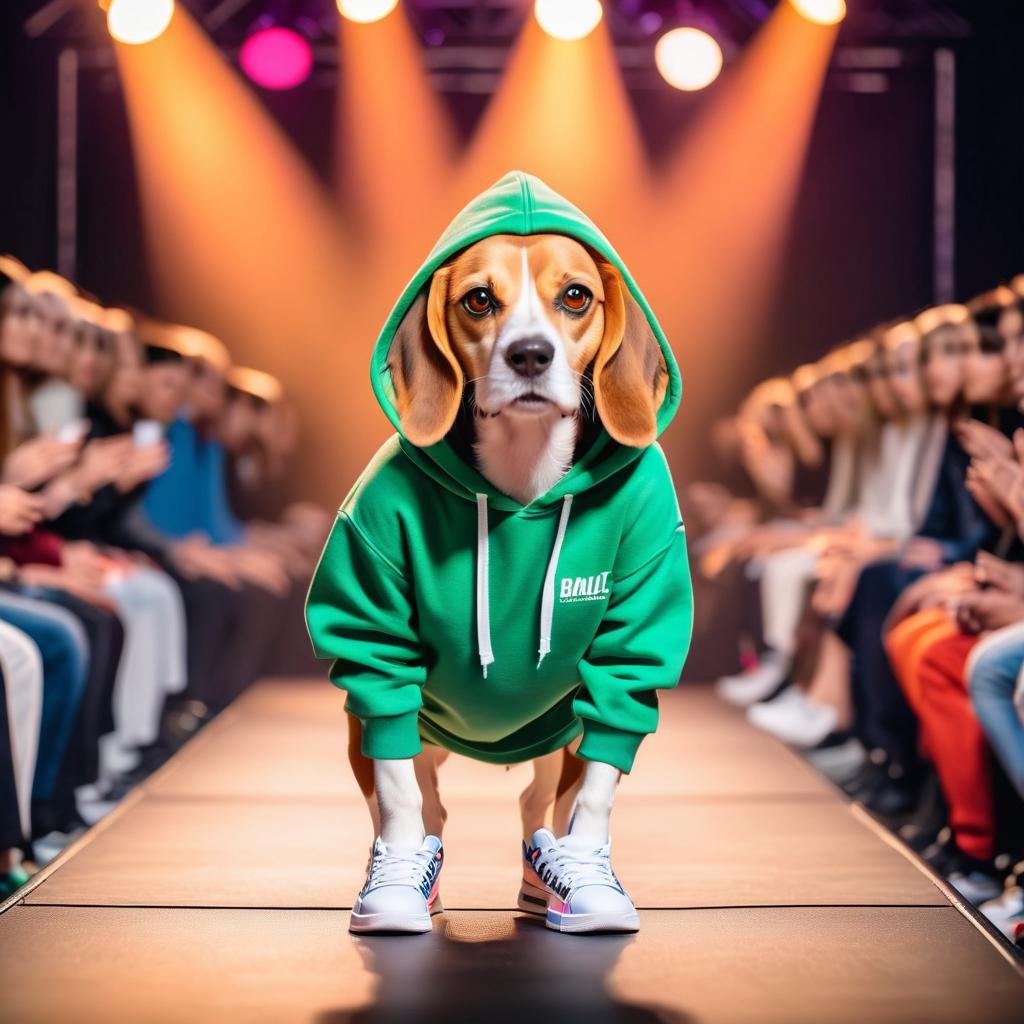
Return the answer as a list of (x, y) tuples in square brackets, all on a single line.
[(456, 615)]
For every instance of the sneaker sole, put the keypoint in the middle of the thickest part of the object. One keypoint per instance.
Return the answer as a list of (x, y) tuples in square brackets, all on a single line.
[(580, 923), (745, 700), (395, 923), (533, 900)]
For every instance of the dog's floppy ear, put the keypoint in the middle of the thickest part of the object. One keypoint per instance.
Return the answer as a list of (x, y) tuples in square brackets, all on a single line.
[(630, 375), (427, 377)]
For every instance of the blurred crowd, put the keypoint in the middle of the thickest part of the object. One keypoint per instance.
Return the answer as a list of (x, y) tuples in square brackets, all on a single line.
[(150, 569), (860, 574)]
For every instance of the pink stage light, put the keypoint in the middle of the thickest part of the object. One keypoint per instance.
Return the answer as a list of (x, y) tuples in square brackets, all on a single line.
[(276, 58)]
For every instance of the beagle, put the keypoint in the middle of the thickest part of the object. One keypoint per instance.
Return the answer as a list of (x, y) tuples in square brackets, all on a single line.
[(521, 348)]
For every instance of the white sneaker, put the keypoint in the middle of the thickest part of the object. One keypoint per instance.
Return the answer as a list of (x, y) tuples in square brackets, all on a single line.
[(115, 757), (1006, 910), (571, 882), (794, 718), (976, 887), (756, 683), (840, 763), (400, 892)]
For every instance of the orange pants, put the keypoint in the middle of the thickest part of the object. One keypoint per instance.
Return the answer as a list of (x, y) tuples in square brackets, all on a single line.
[(956, 743)]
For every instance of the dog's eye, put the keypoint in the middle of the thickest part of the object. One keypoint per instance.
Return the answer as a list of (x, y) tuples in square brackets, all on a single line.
[(576, 298), (478, 302)]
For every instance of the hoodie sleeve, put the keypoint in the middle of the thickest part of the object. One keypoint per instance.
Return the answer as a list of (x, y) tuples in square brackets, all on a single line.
[(359, 612), (644, 636)]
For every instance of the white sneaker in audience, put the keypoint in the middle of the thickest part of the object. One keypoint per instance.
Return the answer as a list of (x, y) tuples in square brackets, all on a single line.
[(794, 718), (756, 683), (1006, 910), (92, 804), (976, 887), (91, 792), (115, 759), (47, 847), (841, 762)]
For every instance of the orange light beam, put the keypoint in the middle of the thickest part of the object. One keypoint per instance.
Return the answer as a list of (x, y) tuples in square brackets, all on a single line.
[(718, 219), (561, 112), (725, 200), (242, 239), (395, 149)]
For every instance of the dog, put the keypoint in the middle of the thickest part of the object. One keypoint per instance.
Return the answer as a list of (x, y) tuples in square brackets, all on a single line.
[(515, 364)]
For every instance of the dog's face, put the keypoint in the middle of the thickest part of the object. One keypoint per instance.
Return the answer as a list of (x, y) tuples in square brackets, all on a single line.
[(523, 319)]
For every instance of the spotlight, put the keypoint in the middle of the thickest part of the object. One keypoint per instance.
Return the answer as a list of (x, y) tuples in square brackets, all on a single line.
[(366, 10), (822, 12), (138, 21), (688, 58), (568, 19), (276, 58)]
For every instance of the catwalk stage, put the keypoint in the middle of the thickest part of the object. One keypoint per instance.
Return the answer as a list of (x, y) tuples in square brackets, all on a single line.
[(219, 891)]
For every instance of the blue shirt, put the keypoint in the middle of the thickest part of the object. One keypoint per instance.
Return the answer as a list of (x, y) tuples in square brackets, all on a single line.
[(191, 496)]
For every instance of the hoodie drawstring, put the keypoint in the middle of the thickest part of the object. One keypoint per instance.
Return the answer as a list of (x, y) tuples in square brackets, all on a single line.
[(483, 608), (547, 602)]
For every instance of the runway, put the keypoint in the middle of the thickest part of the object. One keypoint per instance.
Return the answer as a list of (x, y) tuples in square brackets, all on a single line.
[(219, 891)]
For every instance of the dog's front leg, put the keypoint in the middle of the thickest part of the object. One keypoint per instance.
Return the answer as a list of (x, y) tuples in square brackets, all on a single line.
[(592, 809), (399, 801)]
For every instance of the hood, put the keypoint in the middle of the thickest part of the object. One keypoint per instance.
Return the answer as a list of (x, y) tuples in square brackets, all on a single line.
[(517, 204)]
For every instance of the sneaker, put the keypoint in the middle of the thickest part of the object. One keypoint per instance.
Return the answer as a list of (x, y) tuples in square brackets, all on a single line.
[(839, 757), (1006, 910), (755, 684), (976, 880), (571, 882), (400, 893), (976, 887), (794, 718)]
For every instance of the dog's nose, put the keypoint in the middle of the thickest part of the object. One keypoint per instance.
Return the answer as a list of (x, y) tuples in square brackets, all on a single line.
[(530, 357)]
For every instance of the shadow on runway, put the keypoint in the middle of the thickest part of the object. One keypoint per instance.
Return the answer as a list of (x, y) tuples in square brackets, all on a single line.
[(528, 974)]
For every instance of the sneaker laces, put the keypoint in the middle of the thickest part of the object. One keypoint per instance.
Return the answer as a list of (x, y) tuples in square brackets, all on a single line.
[(584, 868), (392, 868)]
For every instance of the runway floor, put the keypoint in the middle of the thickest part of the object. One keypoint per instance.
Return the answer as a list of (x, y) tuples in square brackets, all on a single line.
[(219, 891)]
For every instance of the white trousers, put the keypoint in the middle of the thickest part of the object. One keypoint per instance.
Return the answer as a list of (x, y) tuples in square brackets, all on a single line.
[(154, 658), (22, 666), (784, 579)]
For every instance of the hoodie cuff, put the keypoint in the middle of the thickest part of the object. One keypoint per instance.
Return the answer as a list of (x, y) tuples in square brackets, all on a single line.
[(397, 736), (610, 746)]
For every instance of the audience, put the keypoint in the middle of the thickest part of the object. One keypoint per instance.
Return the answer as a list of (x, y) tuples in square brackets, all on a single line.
[(149, 571), (862, 568)]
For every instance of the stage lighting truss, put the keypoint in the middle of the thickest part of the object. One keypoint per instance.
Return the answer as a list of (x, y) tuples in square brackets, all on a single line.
[(466, 43)]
